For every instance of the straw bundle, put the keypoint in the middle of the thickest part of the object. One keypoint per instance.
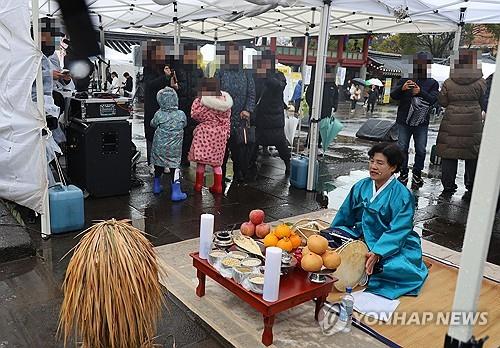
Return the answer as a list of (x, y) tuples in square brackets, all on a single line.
[(112, 294)]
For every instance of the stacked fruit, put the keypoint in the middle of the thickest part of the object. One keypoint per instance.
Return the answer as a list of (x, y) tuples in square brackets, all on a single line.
[(316, 255), (283, 237), (256, 225)]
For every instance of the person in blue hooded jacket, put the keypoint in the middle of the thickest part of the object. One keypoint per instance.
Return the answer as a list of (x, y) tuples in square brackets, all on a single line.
[(380, 210), (169, 123)]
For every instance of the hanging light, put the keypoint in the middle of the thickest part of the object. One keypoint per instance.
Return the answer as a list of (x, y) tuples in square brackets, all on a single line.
[(369, 23), (163, 2)]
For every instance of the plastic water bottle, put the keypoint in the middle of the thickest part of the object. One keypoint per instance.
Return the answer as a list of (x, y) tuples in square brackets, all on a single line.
[(346, 307)]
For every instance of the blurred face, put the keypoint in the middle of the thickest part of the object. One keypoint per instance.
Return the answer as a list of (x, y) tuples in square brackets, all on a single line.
[(263, 67), (234, 56), (190, 57), (420, 68), (380, 169), (167, 70)]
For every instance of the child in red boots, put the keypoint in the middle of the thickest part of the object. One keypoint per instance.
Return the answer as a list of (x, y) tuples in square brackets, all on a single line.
[(212, 109)]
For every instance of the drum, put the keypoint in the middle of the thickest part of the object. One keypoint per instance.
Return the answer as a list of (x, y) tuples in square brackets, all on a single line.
[(351, 271)]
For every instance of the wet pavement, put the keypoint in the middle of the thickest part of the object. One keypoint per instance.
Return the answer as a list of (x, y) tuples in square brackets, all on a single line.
[(30, 289)]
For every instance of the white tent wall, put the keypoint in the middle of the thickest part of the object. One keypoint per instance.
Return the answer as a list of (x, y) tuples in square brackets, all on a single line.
[(23, 161)]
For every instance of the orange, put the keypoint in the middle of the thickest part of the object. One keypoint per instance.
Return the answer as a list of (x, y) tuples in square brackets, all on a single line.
[(270, 240), (296, 241), (282, 230), (285, 244)]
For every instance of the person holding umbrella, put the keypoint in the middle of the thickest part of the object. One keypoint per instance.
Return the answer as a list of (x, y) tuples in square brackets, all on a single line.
[(355, 93)]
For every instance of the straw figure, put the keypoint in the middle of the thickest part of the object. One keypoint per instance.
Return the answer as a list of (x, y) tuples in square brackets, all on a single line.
[(112, 292)]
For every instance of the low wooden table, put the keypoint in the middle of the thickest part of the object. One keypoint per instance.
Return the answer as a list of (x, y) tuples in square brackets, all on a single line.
[(295, 289)]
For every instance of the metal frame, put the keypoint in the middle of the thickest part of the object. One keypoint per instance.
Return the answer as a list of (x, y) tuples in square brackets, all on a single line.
[(45, 216), (319, 78)]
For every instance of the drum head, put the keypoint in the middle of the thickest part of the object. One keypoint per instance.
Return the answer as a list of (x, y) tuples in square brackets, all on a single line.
[(352, 268)]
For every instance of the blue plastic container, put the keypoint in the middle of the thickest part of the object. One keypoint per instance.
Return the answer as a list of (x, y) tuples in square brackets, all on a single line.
[(66, 208), (298, 172)]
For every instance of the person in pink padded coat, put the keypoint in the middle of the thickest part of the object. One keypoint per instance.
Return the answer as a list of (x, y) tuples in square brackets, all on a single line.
[(212, 109)]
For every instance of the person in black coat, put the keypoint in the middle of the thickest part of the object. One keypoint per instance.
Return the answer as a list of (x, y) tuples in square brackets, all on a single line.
[(330, 99), (128, 85), (372, 98), (188, 76), (153, 82), (269, 114)]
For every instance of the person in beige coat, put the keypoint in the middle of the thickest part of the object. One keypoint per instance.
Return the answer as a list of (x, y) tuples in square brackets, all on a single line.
[(461, 129)]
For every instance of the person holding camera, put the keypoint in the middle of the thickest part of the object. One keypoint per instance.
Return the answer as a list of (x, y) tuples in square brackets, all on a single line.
[(416, 95)]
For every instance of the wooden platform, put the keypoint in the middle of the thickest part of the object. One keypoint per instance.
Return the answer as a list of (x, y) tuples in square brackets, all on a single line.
[(437, 296), (239, 324)]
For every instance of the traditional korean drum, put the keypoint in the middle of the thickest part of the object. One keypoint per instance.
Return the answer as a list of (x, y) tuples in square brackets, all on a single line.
[(351, 271)]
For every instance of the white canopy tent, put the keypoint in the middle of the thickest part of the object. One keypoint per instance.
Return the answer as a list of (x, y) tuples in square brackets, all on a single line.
[(228, 20)]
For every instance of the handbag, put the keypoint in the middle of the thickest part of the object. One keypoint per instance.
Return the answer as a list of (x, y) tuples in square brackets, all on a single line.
[(245, 133)]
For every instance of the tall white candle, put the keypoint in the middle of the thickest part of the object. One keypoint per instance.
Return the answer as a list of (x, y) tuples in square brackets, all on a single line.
[(206, 234), (272, 273)]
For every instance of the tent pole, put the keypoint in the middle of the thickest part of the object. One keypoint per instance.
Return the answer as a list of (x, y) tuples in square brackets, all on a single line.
[(456, 41), (45, 217), (318, 92), (103, 54), (177, 32), (303, 73), (479, 224)]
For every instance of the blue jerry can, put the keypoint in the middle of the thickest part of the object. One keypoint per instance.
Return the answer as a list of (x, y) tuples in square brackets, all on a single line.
[(66, 208), (298, 172)]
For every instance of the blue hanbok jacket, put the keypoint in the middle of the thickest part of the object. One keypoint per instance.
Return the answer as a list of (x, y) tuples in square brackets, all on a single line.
[(386, 224)]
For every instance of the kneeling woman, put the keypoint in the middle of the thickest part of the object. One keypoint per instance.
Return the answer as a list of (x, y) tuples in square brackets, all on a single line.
[(380, 210)]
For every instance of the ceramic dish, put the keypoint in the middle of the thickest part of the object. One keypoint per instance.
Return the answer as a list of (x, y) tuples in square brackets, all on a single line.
[(216, 256), (240, 273), (240, 255), (257, 283)]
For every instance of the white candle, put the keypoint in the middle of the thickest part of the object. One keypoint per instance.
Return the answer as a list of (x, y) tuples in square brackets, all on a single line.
[(272, 273), (206, 234)]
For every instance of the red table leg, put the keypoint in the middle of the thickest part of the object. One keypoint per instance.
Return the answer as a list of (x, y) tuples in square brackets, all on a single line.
[(320, 301), (267, 335), (200, 289)]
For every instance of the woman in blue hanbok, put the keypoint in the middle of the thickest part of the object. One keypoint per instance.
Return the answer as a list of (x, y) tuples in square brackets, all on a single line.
[(380, 210)]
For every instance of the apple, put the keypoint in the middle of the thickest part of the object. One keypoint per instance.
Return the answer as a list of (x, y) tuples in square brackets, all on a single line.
[(257, 216), (262, 230), (247, 229)]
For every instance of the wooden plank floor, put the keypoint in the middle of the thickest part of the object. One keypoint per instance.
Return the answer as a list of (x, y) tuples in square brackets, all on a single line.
[(437, 296)]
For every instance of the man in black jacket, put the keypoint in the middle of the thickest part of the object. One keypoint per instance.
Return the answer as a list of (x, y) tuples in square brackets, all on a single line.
[(330, 99), (189, 76), (416, 95), (269, 113)]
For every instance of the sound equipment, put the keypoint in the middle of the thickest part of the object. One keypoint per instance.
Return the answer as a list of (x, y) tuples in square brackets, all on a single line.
[(99, 109), (378, 130), (99, 156)]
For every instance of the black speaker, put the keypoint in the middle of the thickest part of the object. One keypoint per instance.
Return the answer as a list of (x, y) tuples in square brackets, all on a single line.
[(378, 130), (99, 157)]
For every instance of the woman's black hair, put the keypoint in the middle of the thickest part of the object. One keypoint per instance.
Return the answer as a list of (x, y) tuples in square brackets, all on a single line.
[(391, 151)]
